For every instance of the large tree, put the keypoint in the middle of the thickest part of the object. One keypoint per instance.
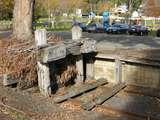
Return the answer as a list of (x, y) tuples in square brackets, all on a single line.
[(151, 8), (22, 19)]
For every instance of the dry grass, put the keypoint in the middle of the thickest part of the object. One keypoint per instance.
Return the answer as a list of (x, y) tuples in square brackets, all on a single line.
[(19, 58)]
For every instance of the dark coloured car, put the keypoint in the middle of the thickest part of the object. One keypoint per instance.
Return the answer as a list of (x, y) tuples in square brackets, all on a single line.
[(91, 27), (138, 30), (100, 28), (118, 28), (83, 27), (95, 28), (158, 33)]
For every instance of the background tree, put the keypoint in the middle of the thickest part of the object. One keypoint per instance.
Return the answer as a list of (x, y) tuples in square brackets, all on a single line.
[(151, 8), (51, 6), (104, 5), (6, 9), (133, 5), (40, 10), (22, 19), (69, 6)]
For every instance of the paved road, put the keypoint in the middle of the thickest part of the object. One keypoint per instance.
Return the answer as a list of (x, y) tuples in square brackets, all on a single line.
[(106, 41), (5, 34)]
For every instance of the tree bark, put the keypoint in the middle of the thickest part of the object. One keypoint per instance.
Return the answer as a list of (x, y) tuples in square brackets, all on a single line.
[(22, 21)]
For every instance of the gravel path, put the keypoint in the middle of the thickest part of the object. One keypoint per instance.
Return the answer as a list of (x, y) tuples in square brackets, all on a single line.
[(38, 107)]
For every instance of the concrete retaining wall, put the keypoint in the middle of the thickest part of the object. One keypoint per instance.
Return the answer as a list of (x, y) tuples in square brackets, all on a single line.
[(136, 74)]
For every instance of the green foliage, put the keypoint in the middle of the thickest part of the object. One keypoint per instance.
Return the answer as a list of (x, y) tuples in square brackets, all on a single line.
[(133, 3), (6, 11), (136, 4), (43, 7), (39, 9)]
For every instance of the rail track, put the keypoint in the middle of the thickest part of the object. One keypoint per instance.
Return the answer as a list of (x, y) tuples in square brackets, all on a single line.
[(123, 101)]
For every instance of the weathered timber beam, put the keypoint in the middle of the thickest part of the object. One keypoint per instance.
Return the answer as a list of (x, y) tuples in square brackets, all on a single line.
[(88, 46), (52, 53), (103, 97), (73, 47), (76, 32), (40, 37), (118, 71), (76, 36), (43, 69), (77, 91), (44, 79), (8, 79), (90, 68), (129, 60)]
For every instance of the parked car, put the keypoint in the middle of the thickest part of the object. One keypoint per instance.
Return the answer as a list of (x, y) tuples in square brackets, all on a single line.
[(117, 28), (91, 27), (158, 33), (138, 30), (100, 28), (83, 26), (95, 27)]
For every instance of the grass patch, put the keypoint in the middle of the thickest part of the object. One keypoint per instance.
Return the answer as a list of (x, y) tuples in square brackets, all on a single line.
[(61, 26)]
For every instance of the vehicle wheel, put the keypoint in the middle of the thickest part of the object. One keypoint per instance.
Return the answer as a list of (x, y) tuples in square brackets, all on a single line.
[(158, 33), (115, 32)]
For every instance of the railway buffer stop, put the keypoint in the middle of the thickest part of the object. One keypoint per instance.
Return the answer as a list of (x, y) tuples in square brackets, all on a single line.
[(83, 51), (51, 53)]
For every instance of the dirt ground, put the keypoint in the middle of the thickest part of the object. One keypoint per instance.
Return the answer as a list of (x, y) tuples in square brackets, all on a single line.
[(30, 105)]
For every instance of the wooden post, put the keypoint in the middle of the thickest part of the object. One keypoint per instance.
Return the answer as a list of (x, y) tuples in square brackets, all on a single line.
[(90, 69), (44, 79), (76, 35), (43, 69), (118, 70), (79, 67), (40, 37), (8, 79)]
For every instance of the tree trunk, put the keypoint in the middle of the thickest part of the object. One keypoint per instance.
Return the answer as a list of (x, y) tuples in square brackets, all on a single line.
[(22, 21)]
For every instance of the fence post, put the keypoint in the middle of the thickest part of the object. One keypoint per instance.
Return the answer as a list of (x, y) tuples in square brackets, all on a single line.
[(44, 82), (90, 69), (76, 35), (40, 37), (118, 70)]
